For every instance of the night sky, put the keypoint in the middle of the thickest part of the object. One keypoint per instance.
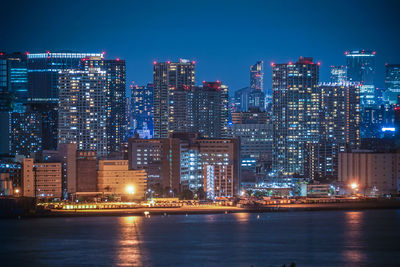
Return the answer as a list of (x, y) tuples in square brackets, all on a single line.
[(223, 37)]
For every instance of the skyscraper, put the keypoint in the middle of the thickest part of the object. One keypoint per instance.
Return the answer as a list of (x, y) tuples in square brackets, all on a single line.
[(13, 91), (296, 113), (257, 76), (83, 109), (172, 82), (361, 69), (338, 74), (115, 98), (392, 82), (210, 110)]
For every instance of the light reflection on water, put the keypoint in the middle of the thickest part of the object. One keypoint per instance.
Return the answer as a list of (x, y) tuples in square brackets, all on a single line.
[(353, 231), (128, 250)]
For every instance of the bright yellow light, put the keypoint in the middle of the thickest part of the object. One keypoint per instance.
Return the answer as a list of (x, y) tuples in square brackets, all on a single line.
[(17, 191), (354, 186), (130, 189)]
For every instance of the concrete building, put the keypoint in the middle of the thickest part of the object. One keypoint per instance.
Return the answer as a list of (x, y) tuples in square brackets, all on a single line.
[(86, 171), (296, 112), (83, 109), (172, 82), (372, 174), (115, 178), (177, 163), (41, 180), (219, 181)]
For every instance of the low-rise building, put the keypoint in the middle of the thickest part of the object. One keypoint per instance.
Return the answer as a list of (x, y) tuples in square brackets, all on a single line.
[(41, 180), (370, 173), (115, 178)]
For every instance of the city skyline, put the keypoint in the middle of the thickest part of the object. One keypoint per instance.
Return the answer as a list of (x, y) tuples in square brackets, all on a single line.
[(240, 32)]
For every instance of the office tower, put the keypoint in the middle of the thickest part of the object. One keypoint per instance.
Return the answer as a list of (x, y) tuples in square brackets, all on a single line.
[(257, 76), (338, 74), (361, 68), (392, 83), (242, 99), (43, 72), (173, 82), (339, 128), (210, 110), (83, 109), (115, 98), (296, 112), (142, 110), (255, 131), (13, 91), (256, 100)]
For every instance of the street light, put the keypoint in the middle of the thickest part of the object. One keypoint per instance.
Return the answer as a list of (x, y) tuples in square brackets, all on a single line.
[(130, 190), (354, 186)]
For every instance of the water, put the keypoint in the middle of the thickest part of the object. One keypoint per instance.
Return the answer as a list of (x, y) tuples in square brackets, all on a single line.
[(317, 238)]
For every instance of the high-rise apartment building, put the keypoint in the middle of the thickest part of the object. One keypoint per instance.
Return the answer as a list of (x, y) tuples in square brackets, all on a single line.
[(392, 84), (210, 110), (339, 128), (115, 70), (361, 69), (296, 113), (172, 83), (83, 109)]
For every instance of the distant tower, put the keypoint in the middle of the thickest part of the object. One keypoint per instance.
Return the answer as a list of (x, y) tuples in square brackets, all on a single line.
[(361, 69), (142, 110), (296, 112), (257, 76), (392, 83), (338, 74), (173, 82)]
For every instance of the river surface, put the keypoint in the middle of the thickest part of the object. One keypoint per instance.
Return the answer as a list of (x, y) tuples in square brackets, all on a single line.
[(315, 238)]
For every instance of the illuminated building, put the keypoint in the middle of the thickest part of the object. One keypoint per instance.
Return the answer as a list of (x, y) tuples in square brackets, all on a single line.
[(115, 178), (373, 174), (242, 99), (296, 112), (257, 76), (25, 133), (13, 171), (83, 109), (218, 181), (339, 128), (173, 82), (392, 82), (338, 74), (177, 163), (13, 91), (115, 70), (210, 110), (41, 180), (255, 131), (361, 69), (142, 110)]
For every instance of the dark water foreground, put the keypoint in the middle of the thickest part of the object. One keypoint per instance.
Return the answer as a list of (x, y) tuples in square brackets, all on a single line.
[(317, 238)]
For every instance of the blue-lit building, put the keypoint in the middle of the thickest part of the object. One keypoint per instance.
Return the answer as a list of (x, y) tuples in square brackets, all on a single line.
[(338, 74), (392, 84), (361, 69), (257, 76), (142, 110)]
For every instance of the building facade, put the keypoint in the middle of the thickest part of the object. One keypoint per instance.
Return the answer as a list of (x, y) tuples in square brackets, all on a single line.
[(392, 84), (83, 109), (296, 114)]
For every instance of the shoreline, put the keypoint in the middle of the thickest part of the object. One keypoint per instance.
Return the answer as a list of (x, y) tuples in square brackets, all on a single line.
[(365, 205)]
